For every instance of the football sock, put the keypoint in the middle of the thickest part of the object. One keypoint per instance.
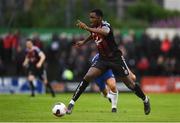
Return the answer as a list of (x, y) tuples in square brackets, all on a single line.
[(32, 87), (108, 95), (72, 102), (80, 89), (146, 99), (114, 98), (139, 92), (50, 88)]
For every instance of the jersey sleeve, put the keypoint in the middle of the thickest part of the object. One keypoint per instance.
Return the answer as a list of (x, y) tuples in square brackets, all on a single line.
[(37, 50), (106, 28)]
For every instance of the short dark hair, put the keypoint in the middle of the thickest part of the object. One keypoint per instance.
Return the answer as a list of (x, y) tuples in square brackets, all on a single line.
[(98, 12), (29, 39)]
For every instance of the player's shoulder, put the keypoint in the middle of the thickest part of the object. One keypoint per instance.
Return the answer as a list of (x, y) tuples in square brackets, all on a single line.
[(37, 49), (106, 24)]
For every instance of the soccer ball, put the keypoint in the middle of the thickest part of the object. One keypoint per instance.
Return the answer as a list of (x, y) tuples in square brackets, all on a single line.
[(59, 109)]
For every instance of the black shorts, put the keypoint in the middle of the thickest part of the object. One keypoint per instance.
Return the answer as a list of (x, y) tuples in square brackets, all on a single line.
[(37, 72), (117, 65)]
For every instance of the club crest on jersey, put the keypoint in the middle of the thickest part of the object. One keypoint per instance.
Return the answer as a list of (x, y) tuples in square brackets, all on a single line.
[(98, 41)]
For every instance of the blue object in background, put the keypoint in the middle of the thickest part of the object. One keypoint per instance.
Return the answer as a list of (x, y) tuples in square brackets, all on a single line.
[(19, 85)]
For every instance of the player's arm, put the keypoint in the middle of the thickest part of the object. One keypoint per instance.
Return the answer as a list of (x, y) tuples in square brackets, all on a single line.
[(80, 43), (26, 60), (41, 60), (103, 31)]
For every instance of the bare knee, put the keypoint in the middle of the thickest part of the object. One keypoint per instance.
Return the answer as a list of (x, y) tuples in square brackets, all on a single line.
[(111, 82), (133, 77)]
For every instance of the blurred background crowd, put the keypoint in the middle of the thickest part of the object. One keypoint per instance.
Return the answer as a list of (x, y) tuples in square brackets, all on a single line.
[(144, 55)]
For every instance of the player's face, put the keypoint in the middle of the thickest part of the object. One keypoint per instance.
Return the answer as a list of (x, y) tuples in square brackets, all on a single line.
[(94, 19), (29, 44)]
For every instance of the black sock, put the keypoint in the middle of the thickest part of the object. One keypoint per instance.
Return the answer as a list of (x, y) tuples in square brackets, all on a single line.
[(32, 87), (50, 89), (80, 89), (139, 92)]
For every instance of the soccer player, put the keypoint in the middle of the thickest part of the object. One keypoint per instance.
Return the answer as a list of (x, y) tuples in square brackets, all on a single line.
[(110, 57), (111, 91), (34, 62)]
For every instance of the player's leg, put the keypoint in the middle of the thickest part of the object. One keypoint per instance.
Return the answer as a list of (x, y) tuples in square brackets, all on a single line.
[(130, 83), (104, 89), (132, 75), (113, 93), (43, 77), (100, 82), (90, 75), (147, 108), (138, 91), (128, 78), (105, 92), (110, 90), (111, 82), (31, 79)]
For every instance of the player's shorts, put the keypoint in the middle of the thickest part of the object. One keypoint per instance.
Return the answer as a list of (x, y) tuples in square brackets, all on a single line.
[(37, 72), (100, 81), (117, 65)]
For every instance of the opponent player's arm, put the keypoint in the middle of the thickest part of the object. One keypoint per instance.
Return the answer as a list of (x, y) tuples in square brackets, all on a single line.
[(42, 59)]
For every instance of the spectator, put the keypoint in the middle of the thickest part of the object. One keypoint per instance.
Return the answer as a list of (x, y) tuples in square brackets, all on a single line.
[(146, 56), (166, 45), (7, 45), (54, 48), (1, 49)]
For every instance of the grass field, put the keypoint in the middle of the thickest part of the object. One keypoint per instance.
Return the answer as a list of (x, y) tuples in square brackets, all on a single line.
[(89, 108)]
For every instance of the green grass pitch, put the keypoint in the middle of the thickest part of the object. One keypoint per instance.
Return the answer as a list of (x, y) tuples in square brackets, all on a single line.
[(89, 108)]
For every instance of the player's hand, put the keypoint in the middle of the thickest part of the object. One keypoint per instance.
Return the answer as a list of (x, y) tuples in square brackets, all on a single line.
[(81, 25), (38, 65), (79, 43)]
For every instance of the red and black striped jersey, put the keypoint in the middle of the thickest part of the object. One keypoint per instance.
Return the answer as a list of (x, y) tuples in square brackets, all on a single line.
[(106, 45), (33, 55)]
